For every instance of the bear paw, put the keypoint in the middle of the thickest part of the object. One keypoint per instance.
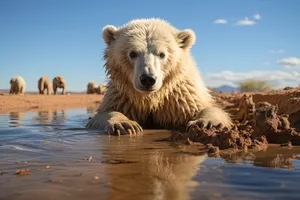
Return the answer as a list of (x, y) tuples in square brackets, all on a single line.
[(123, 128), (202, 123)]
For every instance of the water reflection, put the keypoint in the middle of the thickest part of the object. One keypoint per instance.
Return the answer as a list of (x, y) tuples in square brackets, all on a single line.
[(91, 110), (59, 116), (172, 176), (16, 118), (141, 171), (274, 157), (44, 117)]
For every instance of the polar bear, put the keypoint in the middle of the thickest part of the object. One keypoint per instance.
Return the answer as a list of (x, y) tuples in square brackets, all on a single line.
[(44, 83), (102, 88), (17, 85), (92, 87), (59, 82), (154, 81)]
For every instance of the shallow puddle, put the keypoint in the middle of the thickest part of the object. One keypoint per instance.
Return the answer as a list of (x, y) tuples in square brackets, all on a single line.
[(67, 161)]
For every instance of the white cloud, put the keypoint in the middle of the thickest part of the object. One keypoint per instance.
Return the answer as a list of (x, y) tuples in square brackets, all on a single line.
[(220, 21), (257, 16), (290, 63), (245, 22), (280, 78), (276, 51)]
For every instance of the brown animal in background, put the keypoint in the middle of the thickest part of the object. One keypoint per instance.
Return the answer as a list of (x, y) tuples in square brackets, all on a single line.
[(59, 82), (92, 88), (102, 88), (17, 85), (44, 83)]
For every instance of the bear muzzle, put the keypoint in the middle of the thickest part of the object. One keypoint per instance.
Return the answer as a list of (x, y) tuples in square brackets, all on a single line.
[(148, 80)]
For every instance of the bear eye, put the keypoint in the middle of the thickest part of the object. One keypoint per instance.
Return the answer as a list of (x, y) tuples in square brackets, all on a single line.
[(132, 54), (162, 55)]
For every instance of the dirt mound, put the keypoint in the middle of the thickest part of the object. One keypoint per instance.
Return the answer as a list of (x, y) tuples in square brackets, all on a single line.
[(256, 123), (275, 127), (287, 100), (238, 137)]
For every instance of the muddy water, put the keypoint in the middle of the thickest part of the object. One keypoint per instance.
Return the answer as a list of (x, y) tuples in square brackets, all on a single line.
[(67, 161)]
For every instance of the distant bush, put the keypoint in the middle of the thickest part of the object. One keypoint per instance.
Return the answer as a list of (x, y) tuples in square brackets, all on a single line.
[(255, 85)]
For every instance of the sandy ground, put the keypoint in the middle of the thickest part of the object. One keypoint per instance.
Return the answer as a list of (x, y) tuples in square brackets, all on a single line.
[(36, 102)]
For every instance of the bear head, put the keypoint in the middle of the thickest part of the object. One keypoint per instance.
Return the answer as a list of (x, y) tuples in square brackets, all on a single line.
[(145, 52)]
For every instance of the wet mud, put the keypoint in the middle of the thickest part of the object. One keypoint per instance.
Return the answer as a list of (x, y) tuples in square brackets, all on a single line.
[(256, 123)]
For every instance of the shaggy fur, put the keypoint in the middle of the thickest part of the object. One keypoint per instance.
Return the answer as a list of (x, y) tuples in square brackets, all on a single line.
[(17, 85), (181, 100), (59, 82), (44, 83), (92, 87)]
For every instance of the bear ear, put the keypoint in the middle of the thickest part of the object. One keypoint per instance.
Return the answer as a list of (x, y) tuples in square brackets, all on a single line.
[(108, 33), (186, 38)]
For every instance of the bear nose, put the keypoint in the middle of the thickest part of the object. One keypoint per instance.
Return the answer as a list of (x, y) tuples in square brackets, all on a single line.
[(147, 80)]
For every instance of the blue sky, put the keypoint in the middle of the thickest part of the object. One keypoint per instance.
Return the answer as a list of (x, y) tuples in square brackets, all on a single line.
[(236, 39)]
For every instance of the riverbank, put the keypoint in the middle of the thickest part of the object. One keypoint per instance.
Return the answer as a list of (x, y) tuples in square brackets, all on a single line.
[(36, 102)]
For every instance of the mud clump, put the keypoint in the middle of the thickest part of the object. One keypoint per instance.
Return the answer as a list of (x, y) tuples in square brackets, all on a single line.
[(22, 172), (255, 125), (275, 127), (288, 144), (238, 137), (213, 151), (246, 109)]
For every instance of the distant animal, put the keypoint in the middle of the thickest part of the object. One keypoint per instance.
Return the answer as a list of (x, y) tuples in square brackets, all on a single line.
[(17, 85), (44, 83), (102, 88), (92, 87), (59, 82)]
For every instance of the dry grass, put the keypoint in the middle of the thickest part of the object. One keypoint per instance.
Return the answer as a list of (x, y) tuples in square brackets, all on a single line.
[(255, 86)]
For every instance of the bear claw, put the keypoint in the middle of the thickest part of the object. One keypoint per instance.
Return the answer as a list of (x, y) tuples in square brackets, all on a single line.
[(201, 123), (124, 128)]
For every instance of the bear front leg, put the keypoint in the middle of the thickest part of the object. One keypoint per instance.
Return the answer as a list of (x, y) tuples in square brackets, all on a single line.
[(63, 90), (114, 123), (22, 90), (54, 90), (209, 117), (48, 91)]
